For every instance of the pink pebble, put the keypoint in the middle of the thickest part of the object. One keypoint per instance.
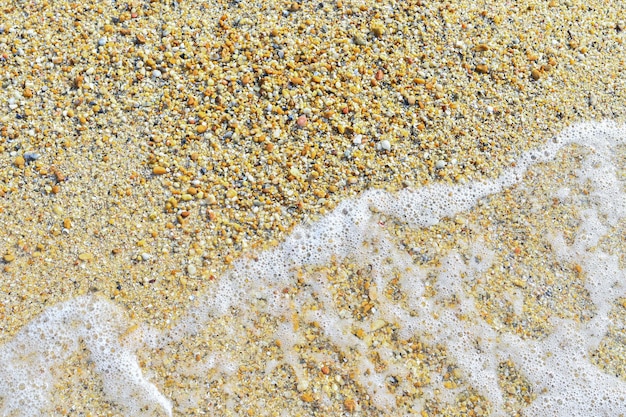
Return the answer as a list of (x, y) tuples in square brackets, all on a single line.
[(302, 121)]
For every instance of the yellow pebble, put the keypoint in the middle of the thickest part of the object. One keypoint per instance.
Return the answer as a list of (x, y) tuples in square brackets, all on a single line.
[(19, 161)]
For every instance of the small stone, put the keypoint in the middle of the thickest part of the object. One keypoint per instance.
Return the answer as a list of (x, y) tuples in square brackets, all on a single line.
[(296, 80), (9, 257), (191, 269), (482, 69), (146, 256), (141, 39), (19, 161), (535, 74), (378, 29), (302, 121), (440, 164), (378, 324), (159, 170), (350, 405), (359, 39), (385, 145), (156, 74), (519, 283), (230, 194), (295, 172), (410, 100), (201, 128), (31, 156), (102, 41), (28, 93), (85, 256)]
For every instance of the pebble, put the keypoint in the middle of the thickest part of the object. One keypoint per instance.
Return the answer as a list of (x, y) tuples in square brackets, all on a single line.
[(210, 199), (385, 145), (302, 121), (482, 69), (19, 161), (535, 74), (359, 39), (31, 156), (102, 41), (378, 29), (86, 256)]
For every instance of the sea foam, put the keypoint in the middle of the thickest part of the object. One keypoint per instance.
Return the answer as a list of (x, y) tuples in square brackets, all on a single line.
[(558, 365)]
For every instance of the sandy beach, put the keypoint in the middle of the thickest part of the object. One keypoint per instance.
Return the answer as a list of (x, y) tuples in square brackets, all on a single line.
[(147, 147)]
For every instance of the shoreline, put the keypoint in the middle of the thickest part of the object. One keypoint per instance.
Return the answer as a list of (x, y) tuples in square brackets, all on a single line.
[(139, 170)]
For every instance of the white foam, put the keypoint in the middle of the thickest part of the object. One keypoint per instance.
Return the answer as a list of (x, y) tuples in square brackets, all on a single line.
[(28, 362), (558, 366)]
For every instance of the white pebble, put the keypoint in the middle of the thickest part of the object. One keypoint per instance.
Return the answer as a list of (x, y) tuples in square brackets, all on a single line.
[(102, 41), (357, 140), (440, 164), (146, 256), (156, 74), (385, 145)]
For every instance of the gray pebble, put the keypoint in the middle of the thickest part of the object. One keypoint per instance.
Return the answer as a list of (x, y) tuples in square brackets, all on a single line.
[(31, 156)]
